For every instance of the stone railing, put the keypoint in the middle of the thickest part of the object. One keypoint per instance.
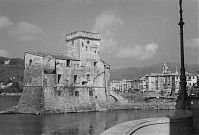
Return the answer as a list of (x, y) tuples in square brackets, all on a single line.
[(179, 123)]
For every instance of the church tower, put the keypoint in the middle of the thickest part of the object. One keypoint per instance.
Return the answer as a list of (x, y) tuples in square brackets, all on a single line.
[(165, 69)]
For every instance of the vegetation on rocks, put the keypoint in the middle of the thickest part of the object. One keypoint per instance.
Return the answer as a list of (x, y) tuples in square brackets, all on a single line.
[(140, 101)]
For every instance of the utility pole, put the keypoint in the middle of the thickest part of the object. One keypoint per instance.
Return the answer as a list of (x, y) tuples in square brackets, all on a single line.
[(183, 99)]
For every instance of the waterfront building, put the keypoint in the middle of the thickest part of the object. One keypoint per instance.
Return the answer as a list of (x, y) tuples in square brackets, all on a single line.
[(121, 86), (167, 82), (7, 62), (73, 81), (142, 83), (135, 84)]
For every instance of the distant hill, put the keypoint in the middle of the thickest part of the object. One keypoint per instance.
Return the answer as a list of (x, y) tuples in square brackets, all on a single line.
[(134, 72), (15, 69)]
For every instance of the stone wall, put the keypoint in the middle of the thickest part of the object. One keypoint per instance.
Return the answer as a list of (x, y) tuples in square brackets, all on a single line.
[(178, 123), (33, 76), (59, 99), (32, 100), (33, 60)]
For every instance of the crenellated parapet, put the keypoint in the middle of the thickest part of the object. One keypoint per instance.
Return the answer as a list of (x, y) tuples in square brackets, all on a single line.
[(83, 34)]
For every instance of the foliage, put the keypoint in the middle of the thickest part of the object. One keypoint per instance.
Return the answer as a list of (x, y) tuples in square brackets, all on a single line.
[(134, 97), (14, 88), (163, 92), (14, 69), (2, 60), (12, 73)]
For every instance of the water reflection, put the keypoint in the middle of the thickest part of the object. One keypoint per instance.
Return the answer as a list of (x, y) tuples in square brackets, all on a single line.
[(91, 123)]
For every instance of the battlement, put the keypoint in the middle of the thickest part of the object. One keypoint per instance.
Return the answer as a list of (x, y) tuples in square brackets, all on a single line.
[(83, 34)]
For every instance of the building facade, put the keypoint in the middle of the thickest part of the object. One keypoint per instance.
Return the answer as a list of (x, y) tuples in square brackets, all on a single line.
[(121, 86), (74, 81), (167, 82)]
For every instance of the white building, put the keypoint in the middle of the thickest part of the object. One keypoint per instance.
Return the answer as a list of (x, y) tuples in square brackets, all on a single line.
[(121, 86), (167, 81), (7, 62)]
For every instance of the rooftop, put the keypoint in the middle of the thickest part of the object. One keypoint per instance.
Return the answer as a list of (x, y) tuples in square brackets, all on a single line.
[(60, 56), (83, 34)]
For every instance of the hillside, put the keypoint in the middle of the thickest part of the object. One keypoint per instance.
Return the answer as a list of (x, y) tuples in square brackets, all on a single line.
[(134, 72), (13, 69), (16, 67)]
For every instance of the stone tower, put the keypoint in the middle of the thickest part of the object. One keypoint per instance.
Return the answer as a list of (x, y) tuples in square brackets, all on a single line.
[(165, 69), (83, 45)]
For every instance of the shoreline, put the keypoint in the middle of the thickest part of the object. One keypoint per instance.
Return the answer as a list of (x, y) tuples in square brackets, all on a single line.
[(145, 106), (10, 94), (131, 106)]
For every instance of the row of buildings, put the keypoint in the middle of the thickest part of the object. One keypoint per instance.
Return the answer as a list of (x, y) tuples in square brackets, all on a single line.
[(166, 82)]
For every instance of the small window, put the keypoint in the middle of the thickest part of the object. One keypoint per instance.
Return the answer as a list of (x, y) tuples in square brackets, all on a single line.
[(95, 51), (84, 83), (95, 64), (88, 76), (30, 62), (72, 42), (58, 78), (90, 93), (86, 48), (76, 93), (88, 42), (68, 63), (59, 92), (75, 78)]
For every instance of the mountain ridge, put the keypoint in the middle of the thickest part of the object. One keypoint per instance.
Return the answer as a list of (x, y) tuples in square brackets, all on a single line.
[(132, 73), (16, 68)]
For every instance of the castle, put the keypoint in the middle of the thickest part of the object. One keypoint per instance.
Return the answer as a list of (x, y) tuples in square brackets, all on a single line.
[(71, 82)]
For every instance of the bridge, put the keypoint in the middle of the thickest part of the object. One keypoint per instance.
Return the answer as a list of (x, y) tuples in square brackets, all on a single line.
[(117, 98)]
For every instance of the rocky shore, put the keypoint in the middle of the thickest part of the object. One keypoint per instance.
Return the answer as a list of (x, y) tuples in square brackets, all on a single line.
[(129, 106), (145, 106)]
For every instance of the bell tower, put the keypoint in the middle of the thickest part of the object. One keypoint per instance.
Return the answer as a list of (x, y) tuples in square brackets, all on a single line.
[(165, 68)]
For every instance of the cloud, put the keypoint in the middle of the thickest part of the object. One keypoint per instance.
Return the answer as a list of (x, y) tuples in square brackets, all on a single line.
[(193, 43), (106, 20), (3, 53), (5, 22), (192, 49), (25, 31), (105, 24), (140, 52)]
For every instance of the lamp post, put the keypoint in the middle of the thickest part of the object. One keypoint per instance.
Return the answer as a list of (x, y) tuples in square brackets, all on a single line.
[(183, 100)]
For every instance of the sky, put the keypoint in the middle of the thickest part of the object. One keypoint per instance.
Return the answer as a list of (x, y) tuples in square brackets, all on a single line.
[(134, 32)]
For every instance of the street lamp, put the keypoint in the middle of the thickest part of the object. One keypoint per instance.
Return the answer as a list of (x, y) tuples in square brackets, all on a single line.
[(183, 100)]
